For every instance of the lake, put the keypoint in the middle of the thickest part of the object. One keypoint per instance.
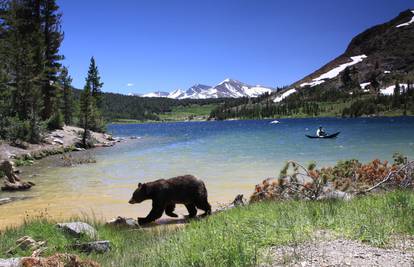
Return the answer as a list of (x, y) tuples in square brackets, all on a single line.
[(230, 156)]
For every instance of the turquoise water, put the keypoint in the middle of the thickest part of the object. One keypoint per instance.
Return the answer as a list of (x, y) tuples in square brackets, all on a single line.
[(230, 156)]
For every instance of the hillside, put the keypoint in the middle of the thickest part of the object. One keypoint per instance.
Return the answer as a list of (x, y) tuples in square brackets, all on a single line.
[(364, 77), (386, 48)]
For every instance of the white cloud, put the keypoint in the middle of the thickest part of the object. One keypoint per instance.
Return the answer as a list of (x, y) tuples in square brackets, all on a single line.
[(129, 84)]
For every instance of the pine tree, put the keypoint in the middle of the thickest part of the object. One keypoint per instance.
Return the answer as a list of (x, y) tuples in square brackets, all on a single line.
[(86, 109), (346, 77), (50, 20), (95, 83), (396, 98), (67, 105), (5, 106), (22, 46)]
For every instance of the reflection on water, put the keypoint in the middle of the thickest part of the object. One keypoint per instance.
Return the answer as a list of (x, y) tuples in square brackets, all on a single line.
[(231, 157)]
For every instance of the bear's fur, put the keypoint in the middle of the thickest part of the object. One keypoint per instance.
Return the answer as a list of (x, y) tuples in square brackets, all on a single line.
[(165, 193)]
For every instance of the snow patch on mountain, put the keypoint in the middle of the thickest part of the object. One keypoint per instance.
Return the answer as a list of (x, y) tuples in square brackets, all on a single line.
[(156, 94), (335, 71), (175, 94), (284, 95), (390, 89), (407, 23), (364, 85)]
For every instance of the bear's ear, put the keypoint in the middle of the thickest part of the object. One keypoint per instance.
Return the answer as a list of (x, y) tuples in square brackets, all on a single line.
[(139, 185)]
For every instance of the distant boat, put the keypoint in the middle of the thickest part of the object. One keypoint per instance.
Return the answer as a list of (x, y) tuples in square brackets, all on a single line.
[(275, 122), (324, 137)]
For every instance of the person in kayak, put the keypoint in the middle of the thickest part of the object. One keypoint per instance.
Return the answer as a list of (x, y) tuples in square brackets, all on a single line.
[(320, 132)]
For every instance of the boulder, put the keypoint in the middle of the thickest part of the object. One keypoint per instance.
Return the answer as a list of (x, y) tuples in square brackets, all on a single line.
[(97, 246), (58, 135), (12, 181), (78, 228), (123, 222), (12, 262), (59, 141)]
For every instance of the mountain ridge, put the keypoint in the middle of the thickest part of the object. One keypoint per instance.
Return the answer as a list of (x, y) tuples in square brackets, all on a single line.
[(228, 88), (377, 45)]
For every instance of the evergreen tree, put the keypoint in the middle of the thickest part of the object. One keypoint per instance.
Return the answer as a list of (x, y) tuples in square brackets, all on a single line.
[(95, 83), (22, 46), (67, 105), (50, 20), (5, 106), (86, 109), (346, 77), (396, 99)]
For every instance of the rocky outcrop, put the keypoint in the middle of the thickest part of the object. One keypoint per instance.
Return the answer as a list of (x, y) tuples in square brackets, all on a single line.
[(12, 181)]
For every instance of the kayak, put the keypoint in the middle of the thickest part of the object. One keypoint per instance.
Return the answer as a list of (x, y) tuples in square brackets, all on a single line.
[(324, 137)]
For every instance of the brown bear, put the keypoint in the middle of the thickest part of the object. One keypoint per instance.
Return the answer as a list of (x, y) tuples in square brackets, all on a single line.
[(165, 193)]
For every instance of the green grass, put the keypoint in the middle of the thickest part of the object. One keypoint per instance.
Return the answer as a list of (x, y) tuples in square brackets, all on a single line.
[(239, 236), (191, 112)]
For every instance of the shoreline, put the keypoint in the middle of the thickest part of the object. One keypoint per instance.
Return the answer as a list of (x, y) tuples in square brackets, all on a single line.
[(55, 142), (259, 119)]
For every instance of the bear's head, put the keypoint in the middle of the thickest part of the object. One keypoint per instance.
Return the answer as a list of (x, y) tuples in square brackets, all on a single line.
[(140, 194)]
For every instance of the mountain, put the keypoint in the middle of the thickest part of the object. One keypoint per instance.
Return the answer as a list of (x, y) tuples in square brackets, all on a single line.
[(384, 51), (228, 88), (157, 94)]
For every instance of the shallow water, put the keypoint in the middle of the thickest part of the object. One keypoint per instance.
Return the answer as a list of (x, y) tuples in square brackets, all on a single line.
[(231, 157)]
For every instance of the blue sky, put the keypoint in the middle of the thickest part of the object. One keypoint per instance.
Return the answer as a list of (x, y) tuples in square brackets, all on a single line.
[(147, 45)]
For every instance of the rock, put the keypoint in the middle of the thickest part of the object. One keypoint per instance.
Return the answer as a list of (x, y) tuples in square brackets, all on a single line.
[(58, 135), (78, 228), (59, 259), (12, 262), (12, 181), (20, 144), (97, 246), (336, 194), (79, 149), (59, 141), (28, 243), (134, 137), (123, 222), (237, 202), (109, 138)]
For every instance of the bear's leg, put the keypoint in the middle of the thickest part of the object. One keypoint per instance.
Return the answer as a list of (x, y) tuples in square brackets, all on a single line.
[(192, 211), (204, 205), (154, 214), (169, 210)]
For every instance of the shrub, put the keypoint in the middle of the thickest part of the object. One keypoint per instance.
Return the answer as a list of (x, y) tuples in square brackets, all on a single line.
[(56, 121), (19, 130)]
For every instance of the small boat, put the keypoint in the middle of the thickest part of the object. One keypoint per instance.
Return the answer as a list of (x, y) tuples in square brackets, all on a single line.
[(275, 122), (324, 137)]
